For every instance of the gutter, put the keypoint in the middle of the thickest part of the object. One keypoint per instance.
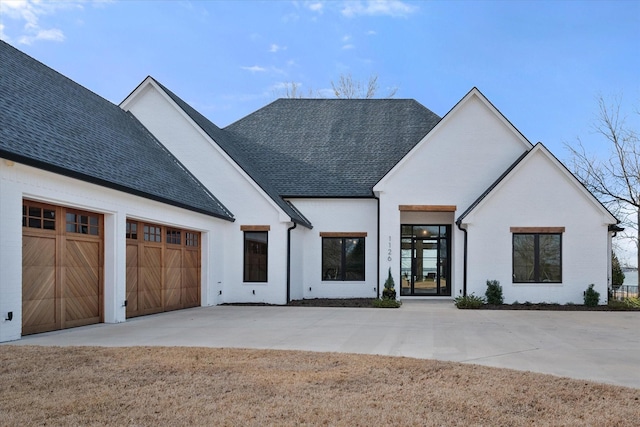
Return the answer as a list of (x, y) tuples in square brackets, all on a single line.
[(289, 261), (464, 267), (378, 263)]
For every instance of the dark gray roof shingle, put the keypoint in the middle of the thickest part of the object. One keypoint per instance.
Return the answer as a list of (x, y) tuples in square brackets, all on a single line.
[(50, 122), (330, 147), (236, 150)]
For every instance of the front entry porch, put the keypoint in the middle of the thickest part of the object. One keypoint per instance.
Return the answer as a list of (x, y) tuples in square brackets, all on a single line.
[(425, 267)]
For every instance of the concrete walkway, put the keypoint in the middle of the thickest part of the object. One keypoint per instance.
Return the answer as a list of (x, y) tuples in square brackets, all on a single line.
[(598, 346)]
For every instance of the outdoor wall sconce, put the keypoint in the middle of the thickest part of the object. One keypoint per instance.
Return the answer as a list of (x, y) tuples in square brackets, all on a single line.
[(220, 292), (254, 291), (9, 316), (124, 304)]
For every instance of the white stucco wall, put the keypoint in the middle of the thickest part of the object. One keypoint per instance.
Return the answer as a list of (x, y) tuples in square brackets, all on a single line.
[(336, 215), (539, 194), (453, 165), (233, 187), (18, 182)]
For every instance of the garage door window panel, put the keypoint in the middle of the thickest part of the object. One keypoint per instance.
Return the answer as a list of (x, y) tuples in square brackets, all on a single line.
[(83, 224), (38, 217)]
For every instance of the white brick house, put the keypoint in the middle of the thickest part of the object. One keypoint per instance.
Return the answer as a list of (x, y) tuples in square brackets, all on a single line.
[(109, 212)]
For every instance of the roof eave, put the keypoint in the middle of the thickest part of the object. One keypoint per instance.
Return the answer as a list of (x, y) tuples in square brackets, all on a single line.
[(107, 184)]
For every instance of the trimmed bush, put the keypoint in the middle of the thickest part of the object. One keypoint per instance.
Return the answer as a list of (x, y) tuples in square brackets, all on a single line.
[(389, 291), (469, 302), (386, 303), (494, 293), (591, 296)]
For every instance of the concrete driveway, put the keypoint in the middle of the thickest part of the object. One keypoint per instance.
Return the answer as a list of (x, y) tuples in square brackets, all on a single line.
[(598, 346)]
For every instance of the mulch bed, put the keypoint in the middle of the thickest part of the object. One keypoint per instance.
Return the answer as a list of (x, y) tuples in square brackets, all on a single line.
[(368, 303), (556, 307), (333, 302)]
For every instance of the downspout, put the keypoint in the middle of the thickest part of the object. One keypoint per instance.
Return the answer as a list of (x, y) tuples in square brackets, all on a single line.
[(464, 267), (289, 261), (378, 263)]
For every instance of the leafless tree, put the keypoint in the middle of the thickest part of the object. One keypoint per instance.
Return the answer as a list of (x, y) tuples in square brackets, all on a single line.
[(346, 88), (616, 180), (293, 90), (349, 88)]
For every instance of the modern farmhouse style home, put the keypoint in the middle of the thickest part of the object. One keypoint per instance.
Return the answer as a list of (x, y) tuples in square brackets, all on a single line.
[(109, 212)]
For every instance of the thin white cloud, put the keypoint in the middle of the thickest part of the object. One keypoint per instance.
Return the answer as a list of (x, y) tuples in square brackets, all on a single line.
[(274, 48), (53, 34), (346, 39), (30, 12), (255, 69), (371, 33), (394, 8), (315, 7)]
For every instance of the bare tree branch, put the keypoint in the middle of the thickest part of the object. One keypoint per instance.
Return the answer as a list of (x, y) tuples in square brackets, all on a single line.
[(616, 181)]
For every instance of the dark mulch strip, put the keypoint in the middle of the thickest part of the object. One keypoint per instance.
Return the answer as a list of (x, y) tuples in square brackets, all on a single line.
[(333, 302), (368, 303), (556, 307)]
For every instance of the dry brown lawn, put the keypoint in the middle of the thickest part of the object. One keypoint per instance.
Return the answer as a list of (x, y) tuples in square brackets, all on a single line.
[(231, 387)]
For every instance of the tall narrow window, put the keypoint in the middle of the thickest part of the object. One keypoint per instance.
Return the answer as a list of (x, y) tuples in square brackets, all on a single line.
[(343, 258), (255, 256), (537, 258)]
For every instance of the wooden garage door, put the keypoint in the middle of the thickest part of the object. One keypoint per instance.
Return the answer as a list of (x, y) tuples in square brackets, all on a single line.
[(62, 263), (163, 268)]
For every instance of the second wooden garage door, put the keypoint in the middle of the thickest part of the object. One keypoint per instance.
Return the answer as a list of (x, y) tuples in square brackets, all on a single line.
[(163, 268)]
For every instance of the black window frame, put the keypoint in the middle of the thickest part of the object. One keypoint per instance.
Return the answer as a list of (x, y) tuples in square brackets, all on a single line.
[(254, 247), (343, 270), (536, 258)]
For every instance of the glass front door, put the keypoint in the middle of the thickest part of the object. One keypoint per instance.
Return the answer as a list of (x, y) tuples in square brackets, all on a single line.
[(424, 260)]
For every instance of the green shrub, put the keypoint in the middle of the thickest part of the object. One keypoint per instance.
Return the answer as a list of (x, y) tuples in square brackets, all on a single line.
[(591, 296), (469, 301), (617, 275), (389, 292), (494, 292), (386, 303)]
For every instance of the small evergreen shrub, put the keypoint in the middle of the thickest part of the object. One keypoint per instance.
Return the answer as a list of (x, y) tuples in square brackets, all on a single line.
[(469, 302), (494, 293), (591, 296), (389, 292), (617, 275)]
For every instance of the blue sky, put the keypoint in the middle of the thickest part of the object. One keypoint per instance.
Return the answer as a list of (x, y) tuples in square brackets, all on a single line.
[(541, 63)]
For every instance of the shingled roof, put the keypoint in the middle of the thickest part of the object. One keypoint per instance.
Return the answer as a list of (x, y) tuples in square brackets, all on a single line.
[(52, 123), (330, 147), (236, 150)]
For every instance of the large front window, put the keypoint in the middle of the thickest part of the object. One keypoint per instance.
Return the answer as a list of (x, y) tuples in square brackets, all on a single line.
[(255, 256), (343, 258), (537, 258)]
